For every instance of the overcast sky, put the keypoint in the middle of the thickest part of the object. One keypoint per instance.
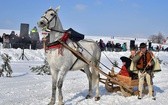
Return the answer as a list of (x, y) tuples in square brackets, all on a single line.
[(92, 17)]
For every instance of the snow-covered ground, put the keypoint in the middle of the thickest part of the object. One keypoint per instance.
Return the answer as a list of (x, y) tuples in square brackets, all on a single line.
[(27, 88)]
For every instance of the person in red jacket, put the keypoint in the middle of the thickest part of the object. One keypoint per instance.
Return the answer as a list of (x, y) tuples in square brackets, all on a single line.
[(124, 69)]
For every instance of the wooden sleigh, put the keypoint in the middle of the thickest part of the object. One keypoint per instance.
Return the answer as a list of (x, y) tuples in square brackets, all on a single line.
[(127, 81), (132, 84)]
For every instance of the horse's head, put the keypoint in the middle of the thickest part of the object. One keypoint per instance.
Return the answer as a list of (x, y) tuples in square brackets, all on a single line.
[(49, 19), (50, 22)]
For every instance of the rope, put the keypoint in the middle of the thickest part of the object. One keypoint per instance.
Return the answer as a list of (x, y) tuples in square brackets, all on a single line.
[(111, 61), (94, 57)]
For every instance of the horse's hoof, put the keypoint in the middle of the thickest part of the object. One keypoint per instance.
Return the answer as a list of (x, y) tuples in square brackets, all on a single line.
[(61, 103), (51, 103), (97, 98), (88, 97)]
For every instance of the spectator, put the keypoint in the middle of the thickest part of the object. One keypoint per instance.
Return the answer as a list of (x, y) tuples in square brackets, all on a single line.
[(109, 46), (157, 48), (1, 39), (34, 35), (124, 47), (112, 46), (102, 45), (118, 47), (13, 39), (166, 49), (6, 42)]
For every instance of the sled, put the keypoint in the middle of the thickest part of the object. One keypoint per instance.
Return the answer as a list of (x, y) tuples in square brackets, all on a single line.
[(132, 84), (127, 81)]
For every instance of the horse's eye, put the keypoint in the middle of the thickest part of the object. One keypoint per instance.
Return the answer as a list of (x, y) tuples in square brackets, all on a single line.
[(52, 14)]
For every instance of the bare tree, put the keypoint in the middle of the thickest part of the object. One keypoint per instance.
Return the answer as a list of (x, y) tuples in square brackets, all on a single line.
[(157, 38)]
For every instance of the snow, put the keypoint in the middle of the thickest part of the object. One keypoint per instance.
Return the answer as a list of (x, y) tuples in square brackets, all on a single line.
[(27, 88)]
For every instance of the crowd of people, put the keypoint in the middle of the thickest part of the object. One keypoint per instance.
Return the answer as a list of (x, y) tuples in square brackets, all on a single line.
[(117, 47), (159, 48), (110, 46), (13, 40)]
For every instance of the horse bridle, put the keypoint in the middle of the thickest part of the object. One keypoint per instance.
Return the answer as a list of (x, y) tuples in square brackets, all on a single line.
[(48, 21)]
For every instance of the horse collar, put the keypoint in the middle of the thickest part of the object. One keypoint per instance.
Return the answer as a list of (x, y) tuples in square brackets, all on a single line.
[(57, 44)]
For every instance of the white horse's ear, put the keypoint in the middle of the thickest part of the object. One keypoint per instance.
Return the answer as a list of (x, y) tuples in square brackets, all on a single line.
[(58, 8), (50, 7)]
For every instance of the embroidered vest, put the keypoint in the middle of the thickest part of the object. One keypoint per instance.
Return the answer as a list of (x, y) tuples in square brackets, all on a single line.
[(144, 60)]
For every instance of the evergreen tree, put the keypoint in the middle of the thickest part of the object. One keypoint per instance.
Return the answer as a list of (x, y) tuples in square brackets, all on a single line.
[(115, 63), (42, 69), (6, 66)]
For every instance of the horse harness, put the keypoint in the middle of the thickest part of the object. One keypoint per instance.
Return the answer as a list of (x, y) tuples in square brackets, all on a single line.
[(58, 45)]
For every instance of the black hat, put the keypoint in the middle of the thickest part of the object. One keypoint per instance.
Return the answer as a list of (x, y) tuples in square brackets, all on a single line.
[(127, 60), (142, 45)]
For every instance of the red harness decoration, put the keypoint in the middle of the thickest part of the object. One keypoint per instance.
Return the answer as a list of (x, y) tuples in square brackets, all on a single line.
[(59, 46)]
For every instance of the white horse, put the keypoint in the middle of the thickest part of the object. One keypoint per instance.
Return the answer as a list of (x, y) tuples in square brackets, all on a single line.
[(60, 64)]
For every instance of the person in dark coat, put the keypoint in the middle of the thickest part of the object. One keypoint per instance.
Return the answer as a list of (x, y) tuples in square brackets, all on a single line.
[(34, 35), (102, 45), (13, 39), (109, 46), (6, 42), (112, 46), (1, 40)]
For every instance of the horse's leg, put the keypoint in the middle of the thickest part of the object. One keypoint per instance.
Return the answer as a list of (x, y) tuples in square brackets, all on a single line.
[(95, 83), (89, 76), (54, 83), (60, 83)]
